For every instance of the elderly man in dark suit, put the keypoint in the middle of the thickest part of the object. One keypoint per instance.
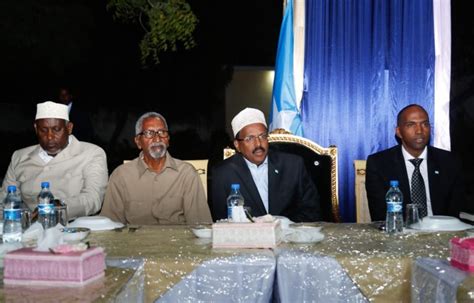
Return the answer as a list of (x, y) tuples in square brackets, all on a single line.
[(429, 177), (271, 182)]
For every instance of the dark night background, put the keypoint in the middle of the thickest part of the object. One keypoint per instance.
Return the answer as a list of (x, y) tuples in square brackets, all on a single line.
[(45, 44)]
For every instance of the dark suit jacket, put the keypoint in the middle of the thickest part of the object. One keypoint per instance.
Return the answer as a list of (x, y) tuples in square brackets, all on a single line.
[(291, 192), (444, 176)]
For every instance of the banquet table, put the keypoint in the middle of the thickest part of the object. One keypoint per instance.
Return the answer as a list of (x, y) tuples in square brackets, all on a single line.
[(355, 262)]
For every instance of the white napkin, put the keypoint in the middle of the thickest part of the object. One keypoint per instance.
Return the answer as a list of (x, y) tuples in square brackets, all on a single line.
[(284, 221), (303, 235), (33, 232), (50, 238), (238, 214)]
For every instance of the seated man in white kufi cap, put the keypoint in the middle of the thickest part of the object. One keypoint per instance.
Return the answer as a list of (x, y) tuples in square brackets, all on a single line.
[(76, 171), (270, 181)]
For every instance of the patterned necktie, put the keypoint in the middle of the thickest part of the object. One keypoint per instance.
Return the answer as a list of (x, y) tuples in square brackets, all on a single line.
[(418, 191)]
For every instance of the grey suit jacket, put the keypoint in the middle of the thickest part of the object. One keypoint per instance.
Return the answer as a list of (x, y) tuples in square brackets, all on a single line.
[(78, 175)]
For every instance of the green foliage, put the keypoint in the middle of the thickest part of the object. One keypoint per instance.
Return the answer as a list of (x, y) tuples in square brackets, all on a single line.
[(167, 24)]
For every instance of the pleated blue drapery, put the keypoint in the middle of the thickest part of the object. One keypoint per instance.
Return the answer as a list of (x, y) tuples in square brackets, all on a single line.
[(364, 61)]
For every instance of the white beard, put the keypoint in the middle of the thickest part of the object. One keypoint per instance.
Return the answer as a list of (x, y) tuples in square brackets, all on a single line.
[(157, 150)]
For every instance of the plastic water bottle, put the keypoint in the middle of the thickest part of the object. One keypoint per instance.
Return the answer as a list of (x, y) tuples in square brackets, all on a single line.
[(234, 200), (394, 199), (46, 206), (12, 216), (11, 225), (13, 199)]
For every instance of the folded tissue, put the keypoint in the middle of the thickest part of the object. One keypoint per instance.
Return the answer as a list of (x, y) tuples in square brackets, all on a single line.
[(50, 238)]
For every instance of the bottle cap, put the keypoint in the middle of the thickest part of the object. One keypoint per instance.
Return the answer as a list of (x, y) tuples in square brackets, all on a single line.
[(11, 188), (44, 184), (394, 183), (235, 186)]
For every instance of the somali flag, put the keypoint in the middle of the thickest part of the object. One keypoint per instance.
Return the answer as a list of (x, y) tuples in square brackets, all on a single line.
[(285, 112)]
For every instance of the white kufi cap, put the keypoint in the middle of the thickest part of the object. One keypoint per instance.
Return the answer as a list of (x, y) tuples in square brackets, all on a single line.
[(50, 109), (246, 117)]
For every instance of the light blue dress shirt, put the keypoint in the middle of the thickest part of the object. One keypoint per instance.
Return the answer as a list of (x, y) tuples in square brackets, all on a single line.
[(260, 177)]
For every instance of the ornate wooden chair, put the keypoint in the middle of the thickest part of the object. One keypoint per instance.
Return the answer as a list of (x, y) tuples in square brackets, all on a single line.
[(362, 204), (201, 169), (320, 162)]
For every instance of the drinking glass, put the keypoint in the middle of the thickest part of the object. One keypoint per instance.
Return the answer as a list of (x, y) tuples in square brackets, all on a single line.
[(412, 215), (25, 218), (60, 214), (248, 213)]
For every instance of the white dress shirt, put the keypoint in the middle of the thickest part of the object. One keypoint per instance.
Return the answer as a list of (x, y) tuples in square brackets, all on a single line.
[(424, 173), (260, 177), (44, 155)]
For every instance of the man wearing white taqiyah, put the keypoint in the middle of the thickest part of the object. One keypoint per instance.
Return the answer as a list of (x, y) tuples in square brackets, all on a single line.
[(270, 181), (76, 171)]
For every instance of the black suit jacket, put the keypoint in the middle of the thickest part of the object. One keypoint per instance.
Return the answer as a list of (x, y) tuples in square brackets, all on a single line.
[(291, 192), (444, 176)]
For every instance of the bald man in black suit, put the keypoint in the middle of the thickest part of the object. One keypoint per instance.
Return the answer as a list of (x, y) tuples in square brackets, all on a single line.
[(440, 170)]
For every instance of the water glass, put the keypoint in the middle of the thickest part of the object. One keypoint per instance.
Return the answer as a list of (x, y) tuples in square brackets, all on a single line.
[(412, 215), (248, 212), (25, 218), (60, 214)]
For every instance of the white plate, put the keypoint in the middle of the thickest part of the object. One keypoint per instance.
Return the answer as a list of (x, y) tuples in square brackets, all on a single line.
[(75, 234), (303, 234), (202, 232), (441, 223), (308, 227), (295, 238), (470, 232), (95, 223)]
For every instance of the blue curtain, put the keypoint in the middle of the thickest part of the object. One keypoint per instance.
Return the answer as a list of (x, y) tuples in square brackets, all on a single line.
[(364, 61)]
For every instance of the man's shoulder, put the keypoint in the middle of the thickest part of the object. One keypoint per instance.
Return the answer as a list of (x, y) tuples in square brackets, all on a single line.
[(229, 163), (89, 147), (439, 151), (26, 150), (284, 158), (386, 153), (23, 153), (183, 166), (126, 169), (441, 155)]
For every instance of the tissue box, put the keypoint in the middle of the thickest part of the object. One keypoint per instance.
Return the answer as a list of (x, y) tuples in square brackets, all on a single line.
[(246, 235), (28, 267), (462, 253)]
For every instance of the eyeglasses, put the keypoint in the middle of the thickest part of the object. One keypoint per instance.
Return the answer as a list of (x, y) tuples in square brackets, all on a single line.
[(252, 138), (149, 133)]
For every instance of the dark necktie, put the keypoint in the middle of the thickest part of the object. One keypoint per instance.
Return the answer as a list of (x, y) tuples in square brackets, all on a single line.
[(418, 191)]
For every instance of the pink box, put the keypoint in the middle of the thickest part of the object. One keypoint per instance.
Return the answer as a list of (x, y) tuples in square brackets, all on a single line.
[(246, 235), (462, 253), (27, 267)]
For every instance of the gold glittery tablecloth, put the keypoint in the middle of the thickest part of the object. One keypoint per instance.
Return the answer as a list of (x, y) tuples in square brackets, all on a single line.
[(169, 252), (465, 291), (379, 264)]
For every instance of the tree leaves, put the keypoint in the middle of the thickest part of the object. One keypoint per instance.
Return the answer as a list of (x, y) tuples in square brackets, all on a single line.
[(168, 24)]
